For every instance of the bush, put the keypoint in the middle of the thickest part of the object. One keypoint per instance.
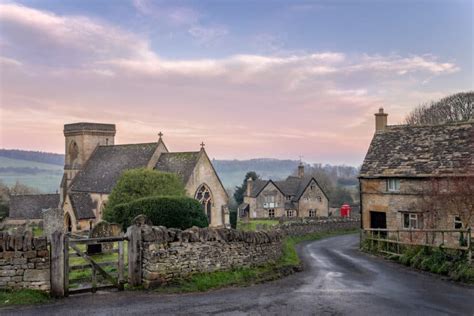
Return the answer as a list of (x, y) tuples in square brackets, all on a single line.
[(233, 219), (139, 183), (172, 212)]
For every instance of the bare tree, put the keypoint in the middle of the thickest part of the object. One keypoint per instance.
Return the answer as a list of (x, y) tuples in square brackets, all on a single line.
[(454, 108)]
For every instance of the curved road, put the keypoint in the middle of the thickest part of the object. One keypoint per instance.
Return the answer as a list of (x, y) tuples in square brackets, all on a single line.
[(338, 280)]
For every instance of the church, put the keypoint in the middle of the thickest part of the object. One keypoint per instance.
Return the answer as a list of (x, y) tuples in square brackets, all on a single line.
[(94, 164)]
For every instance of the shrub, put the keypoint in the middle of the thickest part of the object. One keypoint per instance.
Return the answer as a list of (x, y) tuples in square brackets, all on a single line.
[(233, 219), (172, 212), (139, 183)]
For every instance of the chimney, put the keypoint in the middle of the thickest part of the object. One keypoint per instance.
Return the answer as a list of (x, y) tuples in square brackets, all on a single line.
[(301, 170), (380, 120), (249, 186)]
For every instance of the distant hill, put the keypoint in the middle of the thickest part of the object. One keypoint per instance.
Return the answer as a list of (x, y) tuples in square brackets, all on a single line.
[(43, 170)]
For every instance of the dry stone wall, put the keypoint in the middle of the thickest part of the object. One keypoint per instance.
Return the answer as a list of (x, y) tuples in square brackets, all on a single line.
[(305, 227), (171, 253), (24, 262)]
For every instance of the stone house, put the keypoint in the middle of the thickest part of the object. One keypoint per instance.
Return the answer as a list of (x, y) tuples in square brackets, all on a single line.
[(28, 207), (93, 165), (402, 166), (299, 196)]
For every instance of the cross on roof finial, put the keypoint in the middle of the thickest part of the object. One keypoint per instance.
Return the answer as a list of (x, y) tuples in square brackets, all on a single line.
[(202, 145), (160, 134), (301, 158)]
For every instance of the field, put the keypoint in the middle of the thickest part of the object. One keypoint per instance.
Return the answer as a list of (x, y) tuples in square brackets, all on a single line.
[(42, 176)]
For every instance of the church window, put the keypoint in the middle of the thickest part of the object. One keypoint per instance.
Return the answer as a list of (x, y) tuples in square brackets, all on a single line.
[(203, 195), (73, 152)]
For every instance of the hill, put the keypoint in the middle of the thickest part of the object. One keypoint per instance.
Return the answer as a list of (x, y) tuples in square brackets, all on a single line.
[(43, 171)]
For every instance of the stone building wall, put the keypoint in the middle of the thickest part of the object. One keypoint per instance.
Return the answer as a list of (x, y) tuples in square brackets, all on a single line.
[(260, 211), (171, 253), (24, 262), (313, 198)]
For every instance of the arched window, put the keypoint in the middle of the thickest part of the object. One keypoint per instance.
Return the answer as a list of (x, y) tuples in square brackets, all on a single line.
[(204, 196), (73, 152)]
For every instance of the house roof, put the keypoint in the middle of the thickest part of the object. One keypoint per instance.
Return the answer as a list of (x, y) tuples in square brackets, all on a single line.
[(107, 163), (30, 206), (181, 163), (420, 151), (82, 205), (291, 186)]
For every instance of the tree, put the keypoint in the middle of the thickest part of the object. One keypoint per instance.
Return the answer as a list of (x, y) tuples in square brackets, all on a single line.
[(138, 183), (454, 108), (240, 190), (340, 196), (169, 211)]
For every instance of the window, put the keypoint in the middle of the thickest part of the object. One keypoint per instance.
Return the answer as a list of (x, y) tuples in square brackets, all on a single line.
[(288, 197), (457, 222), (312, 186), (312, 213), (320, 199), (203, 195), (271, 213), (269, 199), (393, 185), (410, 221), (290, 213)]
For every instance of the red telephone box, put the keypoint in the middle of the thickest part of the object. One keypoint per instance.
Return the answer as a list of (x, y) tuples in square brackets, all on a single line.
[(345, 210)]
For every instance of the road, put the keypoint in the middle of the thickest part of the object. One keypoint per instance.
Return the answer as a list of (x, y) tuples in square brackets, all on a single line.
[(337, 280)]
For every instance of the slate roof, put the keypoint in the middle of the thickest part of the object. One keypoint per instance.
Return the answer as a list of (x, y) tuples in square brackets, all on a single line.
[(181, 163), (291, 186), (82, 205), (420, 151), (107, 163), (30, 206)]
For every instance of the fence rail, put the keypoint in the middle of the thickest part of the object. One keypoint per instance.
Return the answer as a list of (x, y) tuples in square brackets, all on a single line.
[(455, 239)]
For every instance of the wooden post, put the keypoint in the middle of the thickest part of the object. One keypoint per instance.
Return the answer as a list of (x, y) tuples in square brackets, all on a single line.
[(398, 241), (57, 264), (469, 246), (120, 265), (66, 265), (134, 234)]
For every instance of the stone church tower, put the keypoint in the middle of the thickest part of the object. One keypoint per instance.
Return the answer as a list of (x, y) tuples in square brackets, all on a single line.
[(81, 139)]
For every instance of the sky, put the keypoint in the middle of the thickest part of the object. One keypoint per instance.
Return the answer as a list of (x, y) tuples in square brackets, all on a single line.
[(280, 79)]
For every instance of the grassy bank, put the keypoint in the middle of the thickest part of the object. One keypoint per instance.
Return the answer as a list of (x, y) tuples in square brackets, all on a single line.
[(22, 297), (251, 225), (450, 263), (286, 265)]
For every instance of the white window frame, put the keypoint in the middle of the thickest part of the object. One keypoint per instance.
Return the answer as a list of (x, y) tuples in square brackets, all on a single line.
[(457, 220), (412, 218), (271, 213), (290, 213), (393, 185)]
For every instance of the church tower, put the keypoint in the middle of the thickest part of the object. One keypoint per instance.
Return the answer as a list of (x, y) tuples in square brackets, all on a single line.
[(81, 139)]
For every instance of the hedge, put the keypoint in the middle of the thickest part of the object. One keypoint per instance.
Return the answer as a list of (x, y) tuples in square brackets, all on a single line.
[(169, 211)]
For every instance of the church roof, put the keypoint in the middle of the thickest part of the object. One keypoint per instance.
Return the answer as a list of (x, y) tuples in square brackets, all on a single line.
[(82, 205), (29, 206), (420, 151), (107, 163), (181, 163)]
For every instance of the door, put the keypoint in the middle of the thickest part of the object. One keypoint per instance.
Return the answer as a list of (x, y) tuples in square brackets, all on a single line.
[(378, 220)]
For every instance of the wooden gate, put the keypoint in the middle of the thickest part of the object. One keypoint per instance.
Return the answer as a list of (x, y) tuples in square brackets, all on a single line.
[(94, 263)]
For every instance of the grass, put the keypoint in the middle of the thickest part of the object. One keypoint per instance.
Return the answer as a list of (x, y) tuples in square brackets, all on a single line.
[(23, 297), (442, 261), (287, 264), (252, 224)]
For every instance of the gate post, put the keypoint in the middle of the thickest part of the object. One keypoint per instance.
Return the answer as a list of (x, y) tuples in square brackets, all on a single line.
[(57, 264), (134, 234)]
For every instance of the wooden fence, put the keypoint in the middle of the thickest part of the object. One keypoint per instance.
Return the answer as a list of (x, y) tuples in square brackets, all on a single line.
[(390, 241)]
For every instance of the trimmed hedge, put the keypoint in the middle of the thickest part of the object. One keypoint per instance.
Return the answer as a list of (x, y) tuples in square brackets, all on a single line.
[(169, 211), (135, 184)]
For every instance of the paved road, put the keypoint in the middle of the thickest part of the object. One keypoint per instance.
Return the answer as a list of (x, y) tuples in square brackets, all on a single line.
[(338, 280)]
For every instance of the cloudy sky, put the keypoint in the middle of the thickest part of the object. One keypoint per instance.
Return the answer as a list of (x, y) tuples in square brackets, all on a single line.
[(251, 79)]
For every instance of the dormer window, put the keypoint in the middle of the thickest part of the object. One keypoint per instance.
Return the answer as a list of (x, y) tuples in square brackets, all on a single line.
[(393, 185)]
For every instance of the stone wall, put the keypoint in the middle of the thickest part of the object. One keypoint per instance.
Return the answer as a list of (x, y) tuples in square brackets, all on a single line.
[(306, 226), (24, 262), (171, 253)]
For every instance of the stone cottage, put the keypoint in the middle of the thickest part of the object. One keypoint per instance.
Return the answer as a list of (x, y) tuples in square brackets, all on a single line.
[(407, 167), (28, 207), (299, 196), (93, 165)]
